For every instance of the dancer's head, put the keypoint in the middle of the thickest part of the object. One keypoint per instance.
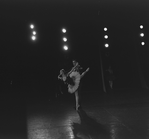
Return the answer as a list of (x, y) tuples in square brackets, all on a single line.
[(78, 67), (62, 71), (74, 62)]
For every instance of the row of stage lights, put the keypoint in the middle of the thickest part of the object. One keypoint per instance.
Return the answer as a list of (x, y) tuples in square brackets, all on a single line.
[(65, 40), (33, 32), (106, 44), (65, 44), (142, 34)]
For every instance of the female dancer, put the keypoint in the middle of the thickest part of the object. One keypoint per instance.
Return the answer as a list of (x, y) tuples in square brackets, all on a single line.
[(76, 77)]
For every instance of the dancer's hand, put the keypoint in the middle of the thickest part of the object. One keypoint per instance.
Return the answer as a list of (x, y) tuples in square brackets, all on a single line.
[(87, 69)]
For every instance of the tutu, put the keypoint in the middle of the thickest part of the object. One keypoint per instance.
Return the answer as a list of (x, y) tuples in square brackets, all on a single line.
[(76, 79), (70, 81), (73, 88)]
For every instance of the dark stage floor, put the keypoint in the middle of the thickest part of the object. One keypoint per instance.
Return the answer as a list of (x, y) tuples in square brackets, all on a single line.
[(119, 114)]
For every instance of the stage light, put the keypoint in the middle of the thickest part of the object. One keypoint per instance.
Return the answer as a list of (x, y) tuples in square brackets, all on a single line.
[(34, 32), (65, 47), (106, 45), (141, 26), (31, 26), (105, 29), (64, 30), (64, 39), (142, 43), (141, 34), (106, 36), (33, 38)]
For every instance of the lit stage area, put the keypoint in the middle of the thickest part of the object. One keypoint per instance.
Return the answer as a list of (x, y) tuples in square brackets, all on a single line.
[(106, 116)]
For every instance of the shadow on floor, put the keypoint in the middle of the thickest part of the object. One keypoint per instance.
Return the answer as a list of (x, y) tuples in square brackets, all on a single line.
[(89, 128)]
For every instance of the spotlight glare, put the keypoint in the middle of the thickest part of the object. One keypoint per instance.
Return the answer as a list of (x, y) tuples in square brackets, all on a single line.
[(105, 29), (106, 36), (33, 38), (64, 39), (31, 26), (142, 43), (65, 47), (141, 26), (34, 32), (64, 30), (142, 34), (106, 45)]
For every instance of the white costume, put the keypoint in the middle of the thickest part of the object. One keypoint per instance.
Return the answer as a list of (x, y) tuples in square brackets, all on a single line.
[(76, 79)]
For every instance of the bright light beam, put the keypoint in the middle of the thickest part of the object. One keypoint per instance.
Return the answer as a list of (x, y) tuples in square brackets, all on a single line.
[(33, 38), (105, 29), (106, 45), (64, 39), (64, 30), (31, 26), (106, 36), (141, 26), (65, 47), (142, 43), (34, 32), (142, 34)]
